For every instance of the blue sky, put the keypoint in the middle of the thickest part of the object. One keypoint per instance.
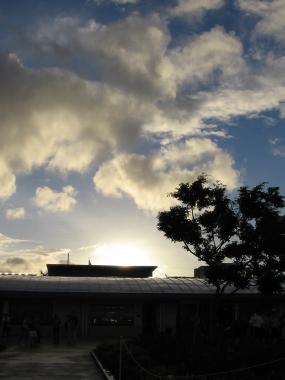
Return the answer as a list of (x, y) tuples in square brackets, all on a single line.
[(107, 105)]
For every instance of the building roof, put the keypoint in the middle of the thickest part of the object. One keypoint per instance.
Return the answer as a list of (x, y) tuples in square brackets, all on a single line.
[(108, 285), (76, 270)]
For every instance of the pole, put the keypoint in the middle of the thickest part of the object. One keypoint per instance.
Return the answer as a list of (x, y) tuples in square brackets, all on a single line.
[(120, 358)]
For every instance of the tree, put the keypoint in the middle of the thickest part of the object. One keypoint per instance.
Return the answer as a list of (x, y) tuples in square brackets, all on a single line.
[(261, 236), (241, 240)]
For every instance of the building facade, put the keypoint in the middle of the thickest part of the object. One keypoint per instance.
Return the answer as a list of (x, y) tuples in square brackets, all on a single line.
[(119, 305)]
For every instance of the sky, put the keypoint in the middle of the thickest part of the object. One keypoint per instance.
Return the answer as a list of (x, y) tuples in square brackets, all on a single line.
[(107, 105)]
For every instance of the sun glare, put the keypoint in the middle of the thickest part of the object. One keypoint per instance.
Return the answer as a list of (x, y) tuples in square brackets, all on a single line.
[(123, 254)]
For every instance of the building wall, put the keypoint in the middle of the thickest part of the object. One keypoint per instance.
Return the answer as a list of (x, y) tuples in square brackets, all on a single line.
[(85, 310), (167, 313), (127, 317)]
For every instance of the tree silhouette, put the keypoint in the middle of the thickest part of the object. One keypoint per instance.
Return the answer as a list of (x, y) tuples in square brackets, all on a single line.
[(241, 240)]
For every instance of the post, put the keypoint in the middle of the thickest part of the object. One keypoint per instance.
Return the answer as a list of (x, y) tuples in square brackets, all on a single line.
[(120, 358)]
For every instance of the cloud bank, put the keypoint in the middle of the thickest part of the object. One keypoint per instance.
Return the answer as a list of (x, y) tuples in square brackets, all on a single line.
[(149, 179), (142, 90)]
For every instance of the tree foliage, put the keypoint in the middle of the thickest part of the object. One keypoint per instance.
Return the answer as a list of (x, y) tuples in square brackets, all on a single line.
[(242, 240)]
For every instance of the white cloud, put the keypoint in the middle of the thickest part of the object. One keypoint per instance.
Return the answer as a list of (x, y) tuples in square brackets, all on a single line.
[(7, 240), (185, 8), (271, 16), (87, 247), (277, 147), (275, 140), (54, 201), (279, 151), (197, 60), (131, 54), (120, 2), (29, 260), (166, 83), (134, 55), (65, 123), (148, 179), (62, 122), (7, 180), (148, 90), (257, 92), (15, 265), (15, 213), (125, 1)]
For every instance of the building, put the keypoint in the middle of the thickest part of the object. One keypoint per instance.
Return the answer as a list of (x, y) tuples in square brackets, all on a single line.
[(72, 270), (128, 301)]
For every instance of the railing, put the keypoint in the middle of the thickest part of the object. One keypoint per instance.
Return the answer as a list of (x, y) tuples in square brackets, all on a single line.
[(106, 375), (205, 376)]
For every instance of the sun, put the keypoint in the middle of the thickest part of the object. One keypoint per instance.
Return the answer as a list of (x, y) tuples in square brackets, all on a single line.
[(122, 254)]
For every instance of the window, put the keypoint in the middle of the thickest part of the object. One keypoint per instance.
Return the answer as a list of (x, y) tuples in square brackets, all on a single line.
[(112, 315)]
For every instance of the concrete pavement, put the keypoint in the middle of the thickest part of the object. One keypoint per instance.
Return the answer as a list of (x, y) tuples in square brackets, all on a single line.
[(48, 362)]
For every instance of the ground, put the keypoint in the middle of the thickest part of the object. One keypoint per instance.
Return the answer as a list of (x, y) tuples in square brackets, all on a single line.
[(48, 362)]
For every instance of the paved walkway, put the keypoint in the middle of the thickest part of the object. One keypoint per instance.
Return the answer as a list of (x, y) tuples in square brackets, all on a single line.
[(48, 362)]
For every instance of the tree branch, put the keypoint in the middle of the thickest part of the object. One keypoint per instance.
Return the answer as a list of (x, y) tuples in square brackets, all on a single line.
[(214, 241), (221, 245), (224, 286), (188, 248), (235, 290)]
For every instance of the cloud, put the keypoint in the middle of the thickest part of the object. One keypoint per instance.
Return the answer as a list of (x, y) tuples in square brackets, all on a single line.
[(135, 57), (279, 151), (7, 240), (198, 59), (165, 80), (257, 91), (28, 256), (65, 123), (146, 91), (271, 15), (180, 88), (15, 213), (62, 121), (277, 147), (275, 140), (120, 2), (125, 1), (129, 53), (29, 261), (40, 250), (149, 179), (53, 201), (15, 265), (23, 256), (87, 247), (7, 181), (188, 8), (133, 54)]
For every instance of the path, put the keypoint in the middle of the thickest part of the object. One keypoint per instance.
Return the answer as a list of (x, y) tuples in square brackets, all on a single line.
[(48, 363)]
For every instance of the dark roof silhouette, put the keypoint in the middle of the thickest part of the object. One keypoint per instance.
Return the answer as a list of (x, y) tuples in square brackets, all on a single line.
[(110, 285), (75, 270)]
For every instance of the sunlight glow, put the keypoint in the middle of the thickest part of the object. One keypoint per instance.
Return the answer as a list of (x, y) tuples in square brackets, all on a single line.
[(123, 254)]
